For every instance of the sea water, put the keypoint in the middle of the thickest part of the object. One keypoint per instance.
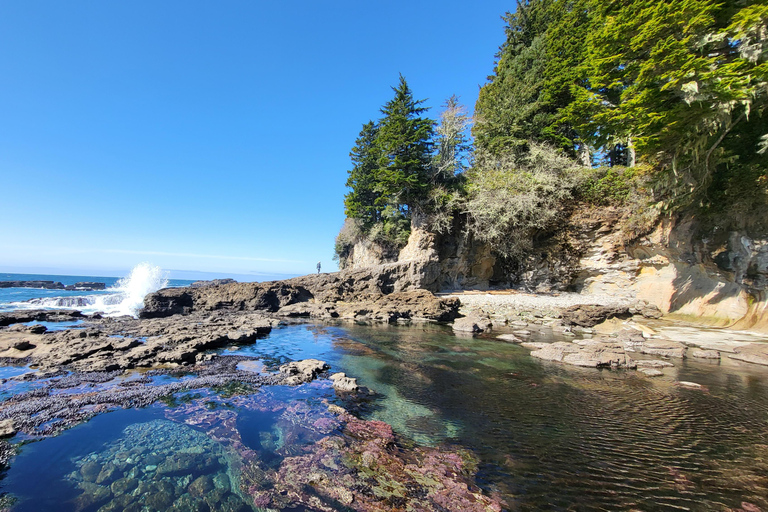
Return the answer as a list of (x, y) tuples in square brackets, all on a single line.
[(549, 437)]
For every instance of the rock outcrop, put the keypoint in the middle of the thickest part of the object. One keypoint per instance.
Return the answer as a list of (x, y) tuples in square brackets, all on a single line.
[(121, 344), (387, 293), (679, 268)]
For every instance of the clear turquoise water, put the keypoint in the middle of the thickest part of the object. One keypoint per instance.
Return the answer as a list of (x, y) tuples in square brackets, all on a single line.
[(549, 437)]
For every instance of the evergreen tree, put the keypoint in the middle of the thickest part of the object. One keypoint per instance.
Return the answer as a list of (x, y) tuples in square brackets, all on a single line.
[(405, 141), (361, 201), (525, 98), (679, 80)]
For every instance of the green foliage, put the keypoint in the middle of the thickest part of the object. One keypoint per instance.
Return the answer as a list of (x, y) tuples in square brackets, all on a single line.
[(680, 85), (362, 200), (608, 186), (404, 140), (351, 232), (679, 79), (525, 98), (512, 197)]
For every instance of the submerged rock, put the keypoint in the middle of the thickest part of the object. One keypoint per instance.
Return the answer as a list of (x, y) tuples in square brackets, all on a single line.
[(589, 353), (365, 470)]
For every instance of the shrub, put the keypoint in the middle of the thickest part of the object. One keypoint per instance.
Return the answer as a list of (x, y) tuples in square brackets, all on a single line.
[(511, 197)]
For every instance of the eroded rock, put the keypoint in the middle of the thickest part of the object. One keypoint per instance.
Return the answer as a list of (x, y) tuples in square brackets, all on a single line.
[(344, 383), (299, 372)]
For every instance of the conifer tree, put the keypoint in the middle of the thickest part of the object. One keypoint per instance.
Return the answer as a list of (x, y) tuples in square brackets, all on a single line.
[(361, 202), (405, 141)]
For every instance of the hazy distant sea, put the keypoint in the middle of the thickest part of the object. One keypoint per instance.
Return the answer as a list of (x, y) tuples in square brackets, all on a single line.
[(123, 295)]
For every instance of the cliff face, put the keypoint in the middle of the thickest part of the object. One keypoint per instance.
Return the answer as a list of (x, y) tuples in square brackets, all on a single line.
[(716, 278), (437, 262)]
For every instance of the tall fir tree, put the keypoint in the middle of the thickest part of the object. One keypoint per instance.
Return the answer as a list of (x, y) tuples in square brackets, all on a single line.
[(405, 141), (361, 202)]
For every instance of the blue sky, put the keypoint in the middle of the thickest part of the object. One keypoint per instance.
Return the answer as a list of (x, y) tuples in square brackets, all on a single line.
[(207, 136)]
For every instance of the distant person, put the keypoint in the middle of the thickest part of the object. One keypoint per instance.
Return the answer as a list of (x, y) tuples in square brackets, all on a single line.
[(318, 267)]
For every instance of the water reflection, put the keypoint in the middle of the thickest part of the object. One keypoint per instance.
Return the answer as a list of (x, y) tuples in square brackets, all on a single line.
[(548, 436)]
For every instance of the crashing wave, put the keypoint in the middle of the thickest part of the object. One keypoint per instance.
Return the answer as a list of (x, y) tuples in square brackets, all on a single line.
[(126, 297)]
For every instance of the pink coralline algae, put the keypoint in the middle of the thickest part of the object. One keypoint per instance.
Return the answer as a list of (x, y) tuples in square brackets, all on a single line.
[(364, 469)]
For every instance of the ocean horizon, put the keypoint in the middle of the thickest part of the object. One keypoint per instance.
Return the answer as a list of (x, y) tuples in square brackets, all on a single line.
[(124, 294)]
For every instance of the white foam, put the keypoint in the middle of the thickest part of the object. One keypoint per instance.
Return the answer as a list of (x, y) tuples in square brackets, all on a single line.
[(126, 297)]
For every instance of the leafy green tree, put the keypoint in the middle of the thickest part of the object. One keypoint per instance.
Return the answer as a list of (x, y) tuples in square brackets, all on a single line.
[(679, 81), (405, 141), (361, 202)]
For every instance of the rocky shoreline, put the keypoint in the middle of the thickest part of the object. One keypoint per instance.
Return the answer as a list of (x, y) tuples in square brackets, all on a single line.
[(81, 372)]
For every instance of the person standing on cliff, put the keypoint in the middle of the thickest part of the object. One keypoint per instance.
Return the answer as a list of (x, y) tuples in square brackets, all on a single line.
[(318, 267)]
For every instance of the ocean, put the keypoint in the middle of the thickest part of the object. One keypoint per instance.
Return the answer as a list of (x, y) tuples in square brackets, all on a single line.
[(123, 295)]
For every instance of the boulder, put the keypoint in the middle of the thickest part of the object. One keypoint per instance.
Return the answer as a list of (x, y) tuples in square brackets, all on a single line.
[(664, 348), (299, 372), (650, 372), (6, 428), (705, 354), (474, 322), (595, 354), (343, 383), (589, 315)]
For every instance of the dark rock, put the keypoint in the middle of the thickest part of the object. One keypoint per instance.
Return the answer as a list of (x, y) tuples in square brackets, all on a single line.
[(160, 500), (90, 471), (86, 286), (108, 474), (201, 486), (23, 345), (36, 329), (213, 282), (35, 315), (123, 485), (589, 315)]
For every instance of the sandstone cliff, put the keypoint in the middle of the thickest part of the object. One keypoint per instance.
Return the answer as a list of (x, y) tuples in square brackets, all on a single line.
[(713, 277)]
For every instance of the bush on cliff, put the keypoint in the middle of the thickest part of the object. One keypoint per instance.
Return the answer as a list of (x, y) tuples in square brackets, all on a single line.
[(512, 196)]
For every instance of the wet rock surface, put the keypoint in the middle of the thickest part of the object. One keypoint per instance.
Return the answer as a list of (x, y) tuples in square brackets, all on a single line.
[(124, 343), (63, 399)]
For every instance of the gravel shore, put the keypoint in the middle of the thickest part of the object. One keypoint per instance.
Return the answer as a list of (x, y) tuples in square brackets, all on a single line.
[(513, 301)]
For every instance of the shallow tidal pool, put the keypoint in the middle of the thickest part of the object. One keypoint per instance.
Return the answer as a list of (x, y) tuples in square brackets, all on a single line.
[(548, 437)]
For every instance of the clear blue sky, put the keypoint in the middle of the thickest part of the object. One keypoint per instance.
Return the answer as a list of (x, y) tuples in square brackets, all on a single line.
[(210, 136)]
